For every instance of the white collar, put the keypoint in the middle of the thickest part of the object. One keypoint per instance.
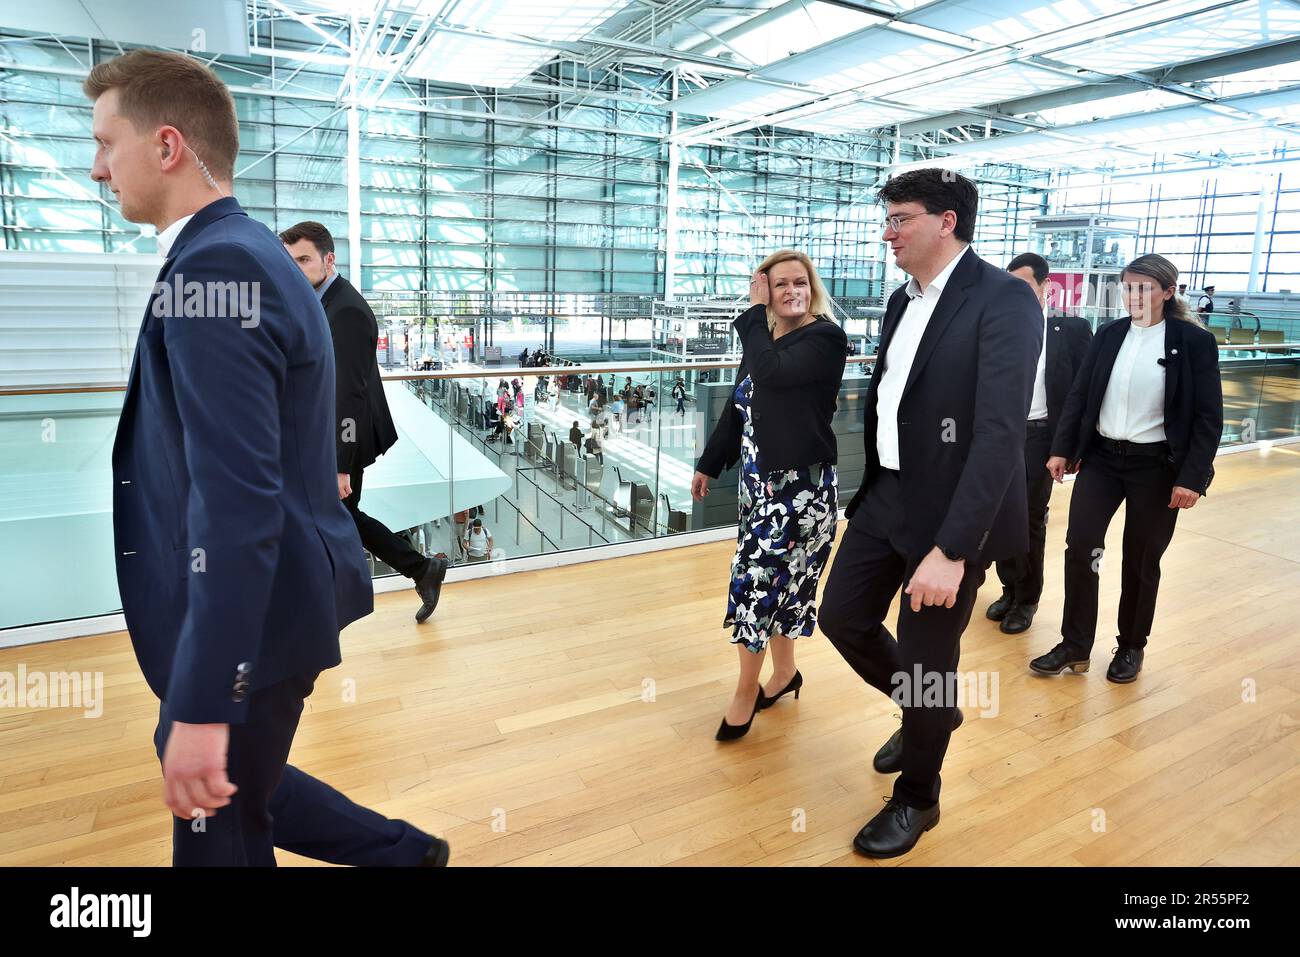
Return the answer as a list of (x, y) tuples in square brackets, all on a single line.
[(168, 236), (914, 290)]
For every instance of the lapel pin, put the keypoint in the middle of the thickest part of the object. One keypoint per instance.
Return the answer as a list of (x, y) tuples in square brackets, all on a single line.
[(1174, 352)]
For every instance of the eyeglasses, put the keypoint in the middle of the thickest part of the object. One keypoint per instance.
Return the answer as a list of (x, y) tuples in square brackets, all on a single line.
[(896, 222)]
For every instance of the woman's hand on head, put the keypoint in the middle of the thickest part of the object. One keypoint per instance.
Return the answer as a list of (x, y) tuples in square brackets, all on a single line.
[(760, 293)]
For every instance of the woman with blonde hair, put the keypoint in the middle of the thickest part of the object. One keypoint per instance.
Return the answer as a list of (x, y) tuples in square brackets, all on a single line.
[(778, 426), (1141, 425)]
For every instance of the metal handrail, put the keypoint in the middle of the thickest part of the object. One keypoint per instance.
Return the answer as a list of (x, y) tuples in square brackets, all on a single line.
[(501, 372)]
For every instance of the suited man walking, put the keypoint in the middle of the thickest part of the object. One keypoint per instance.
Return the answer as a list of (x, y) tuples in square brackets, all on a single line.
[(236, 562), (365, 427), (1065, 343), (943, 491)]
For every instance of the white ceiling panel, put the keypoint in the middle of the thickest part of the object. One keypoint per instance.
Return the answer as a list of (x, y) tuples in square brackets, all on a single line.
[(1216, 32), (739, 98), (1011, 21), (476, 61), (855, 118), (1006, 82), (559, 20), (492, 61), (861, 58)]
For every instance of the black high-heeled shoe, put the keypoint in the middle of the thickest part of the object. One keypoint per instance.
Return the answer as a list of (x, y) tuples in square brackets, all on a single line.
[(730, 732), (795, 684)]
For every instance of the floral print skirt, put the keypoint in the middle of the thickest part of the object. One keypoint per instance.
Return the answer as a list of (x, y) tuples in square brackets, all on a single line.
[(787, 527)]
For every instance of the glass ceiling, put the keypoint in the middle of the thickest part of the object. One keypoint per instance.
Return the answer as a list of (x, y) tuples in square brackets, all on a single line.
[(1035, 76)]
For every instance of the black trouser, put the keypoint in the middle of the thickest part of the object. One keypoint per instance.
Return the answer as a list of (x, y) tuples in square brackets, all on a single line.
[(872, 564), (1022, 576), (278, 805), (1141, 478), (392, 550)]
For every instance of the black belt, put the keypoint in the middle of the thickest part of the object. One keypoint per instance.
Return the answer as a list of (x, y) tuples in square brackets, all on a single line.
[(1124, 447), (1036, 423)]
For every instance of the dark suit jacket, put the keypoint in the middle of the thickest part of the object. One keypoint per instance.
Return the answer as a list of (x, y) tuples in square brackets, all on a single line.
[(1193, 399), (796, 383), (358, 388), (961, 422), (236, 561), (1067, 344)]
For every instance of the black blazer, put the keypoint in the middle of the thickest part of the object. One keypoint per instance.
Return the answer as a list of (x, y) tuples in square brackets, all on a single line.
[(1067, 343), (796, 383), (961, 421), (358, 388), (1193, 399)]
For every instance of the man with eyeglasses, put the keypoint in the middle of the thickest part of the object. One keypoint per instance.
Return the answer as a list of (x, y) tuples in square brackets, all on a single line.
[(943, 492)]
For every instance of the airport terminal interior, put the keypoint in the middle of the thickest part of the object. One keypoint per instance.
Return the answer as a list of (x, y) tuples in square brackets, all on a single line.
[(554, 209)]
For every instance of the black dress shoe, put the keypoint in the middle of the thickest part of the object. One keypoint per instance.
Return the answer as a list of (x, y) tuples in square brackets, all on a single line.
[(730, 732), (1018, 619), (1057, 660), (438, 854), (429, 587), (1125, 665), (889, 759), (998, 610), (895, 830), (795, 684)]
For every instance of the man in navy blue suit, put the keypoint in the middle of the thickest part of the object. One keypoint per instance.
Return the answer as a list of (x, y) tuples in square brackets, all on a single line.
[(943, 491), (236, 561)]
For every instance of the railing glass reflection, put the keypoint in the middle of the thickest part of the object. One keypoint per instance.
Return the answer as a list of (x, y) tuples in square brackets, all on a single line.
[(513, 459)]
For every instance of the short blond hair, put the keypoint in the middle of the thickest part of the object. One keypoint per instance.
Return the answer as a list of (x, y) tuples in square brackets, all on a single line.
[(157, 88), (820, 303)]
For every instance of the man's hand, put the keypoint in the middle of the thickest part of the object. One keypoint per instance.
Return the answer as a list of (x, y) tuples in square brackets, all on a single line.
[(935, 581), (194, 769), (1183, 497), (345, 485), (759, 291), (1060, 467), (699, 486)]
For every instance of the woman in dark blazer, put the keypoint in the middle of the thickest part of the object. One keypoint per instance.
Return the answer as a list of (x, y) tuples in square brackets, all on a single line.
[(779, 426), (1140, 426)]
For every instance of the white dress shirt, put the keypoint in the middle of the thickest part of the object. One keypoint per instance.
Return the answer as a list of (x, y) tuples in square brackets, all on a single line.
[(168, 236), (899, 357), (1133, 408), (1038, 406)]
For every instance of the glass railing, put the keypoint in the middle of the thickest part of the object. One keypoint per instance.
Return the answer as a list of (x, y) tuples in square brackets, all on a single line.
[(536, 487)]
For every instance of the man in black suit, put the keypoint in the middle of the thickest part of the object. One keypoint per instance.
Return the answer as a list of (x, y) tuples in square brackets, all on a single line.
[(1065, 343), (365, 426), (943, 492)]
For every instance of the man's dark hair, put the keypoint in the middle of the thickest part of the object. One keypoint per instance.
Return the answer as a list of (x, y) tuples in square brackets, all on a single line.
[(938, 190), (1209, 289), (309, 229), (1035, 262)]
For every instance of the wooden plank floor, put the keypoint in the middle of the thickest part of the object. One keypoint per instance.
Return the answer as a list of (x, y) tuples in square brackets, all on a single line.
[(517, 724)]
